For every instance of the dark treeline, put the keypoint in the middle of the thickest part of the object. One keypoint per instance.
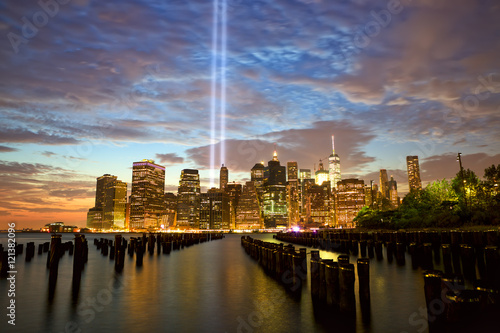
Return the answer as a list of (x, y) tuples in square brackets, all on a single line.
[(464, 201)]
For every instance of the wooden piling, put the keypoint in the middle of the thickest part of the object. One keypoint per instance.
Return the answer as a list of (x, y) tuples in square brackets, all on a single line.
[(53, 262), (347, 302), (446, 249), (322, 279), (363, 265), (315, 277), (332, 284)]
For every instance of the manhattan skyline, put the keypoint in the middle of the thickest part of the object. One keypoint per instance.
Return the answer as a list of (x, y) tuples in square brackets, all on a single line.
[(98, 86)]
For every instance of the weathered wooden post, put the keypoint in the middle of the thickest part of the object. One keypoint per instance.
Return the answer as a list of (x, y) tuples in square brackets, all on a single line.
[(364, 281), (468, 261), (346, 286), (322, 279), (53, 264), (446, 249), (315, 278), (332, 284), (119, 253), (78, 262), (370, 246), (139, 253), (378, 251), (432, 290), (427, 257)]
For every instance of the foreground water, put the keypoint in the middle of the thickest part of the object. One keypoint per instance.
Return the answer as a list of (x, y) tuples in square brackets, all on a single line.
[(210, 287)]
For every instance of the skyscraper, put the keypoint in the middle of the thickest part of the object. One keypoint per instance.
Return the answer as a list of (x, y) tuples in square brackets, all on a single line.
[(350, 200), (110, 204), (223, 178), (147, 196), (292, 171), (412, 165), (170, 210), (334, 167), (321, 175), (257, 177), (115, 205), (248, 209), (274, 201), (234, 191), (318, 198), (392, 187), (188, 199), (100, 190), (214, 209), (292, 193), (305, 174), (383, 184)]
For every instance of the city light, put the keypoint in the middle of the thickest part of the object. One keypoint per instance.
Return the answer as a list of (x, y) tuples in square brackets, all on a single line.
[(213, 100), (218, 84)]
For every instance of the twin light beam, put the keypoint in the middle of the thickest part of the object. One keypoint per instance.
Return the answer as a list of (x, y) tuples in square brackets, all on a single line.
[(218, 86)]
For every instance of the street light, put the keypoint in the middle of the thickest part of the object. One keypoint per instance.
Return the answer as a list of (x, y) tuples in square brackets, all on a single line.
[(459, 159)]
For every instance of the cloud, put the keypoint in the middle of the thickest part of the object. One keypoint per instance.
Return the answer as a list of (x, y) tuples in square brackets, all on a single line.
[(48, 153), (5, 149), (169, 158), (16, 168), (446, 165), (305, 146), (19, 135)]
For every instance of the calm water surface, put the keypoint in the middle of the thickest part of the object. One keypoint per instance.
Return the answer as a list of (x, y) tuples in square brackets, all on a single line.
[(210, 287)]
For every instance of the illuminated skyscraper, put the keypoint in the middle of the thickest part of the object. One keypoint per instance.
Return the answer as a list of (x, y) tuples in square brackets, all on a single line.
[(188, 199), (304, 205), (147, 196), (274, 201), (318, 198), (392, 187), (350, 200), (292, 171), (223, 178), (110, 203), (214, 209), (413, 168), (115, 205), (168, 219), (383, 184), (305, 174), (321, 175), (257, 177), (248, 209), (334, 167), (102, 184), (234, 191)]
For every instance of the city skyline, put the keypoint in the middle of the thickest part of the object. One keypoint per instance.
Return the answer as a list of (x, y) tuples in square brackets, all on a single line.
[(101, 85)]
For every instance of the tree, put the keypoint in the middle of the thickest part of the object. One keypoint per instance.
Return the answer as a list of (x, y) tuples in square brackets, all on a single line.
[(492, 174)]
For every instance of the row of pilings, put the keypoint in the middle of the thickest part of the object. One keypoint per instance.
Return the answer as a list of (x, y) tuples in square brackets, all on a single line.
[(464, 256), (332, 282), (448, 302), (56, 249), (475, 254), (149, 243)]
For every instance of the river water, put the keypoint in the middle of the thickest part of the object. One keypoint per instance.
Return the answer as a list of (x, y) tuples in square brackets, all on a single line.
[(209, 287)]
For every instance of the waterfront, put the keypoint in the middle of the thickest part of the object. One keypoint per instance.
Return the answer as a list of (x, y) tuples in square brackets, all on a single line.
[(210, 287)]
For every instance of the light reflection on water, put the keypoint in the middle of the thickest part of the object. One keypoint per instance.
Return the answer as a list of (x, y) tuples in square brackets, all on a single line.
[(210, 287)]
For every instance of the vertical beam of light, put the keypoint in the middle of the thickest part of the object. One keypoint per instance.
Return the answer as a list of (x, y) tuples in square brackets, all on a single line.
[(223, 82), (213, 99)]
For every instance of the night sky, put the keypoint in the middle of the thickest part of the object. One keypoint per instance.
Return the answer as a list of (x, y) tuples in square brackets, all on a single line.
[(102, 84)]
